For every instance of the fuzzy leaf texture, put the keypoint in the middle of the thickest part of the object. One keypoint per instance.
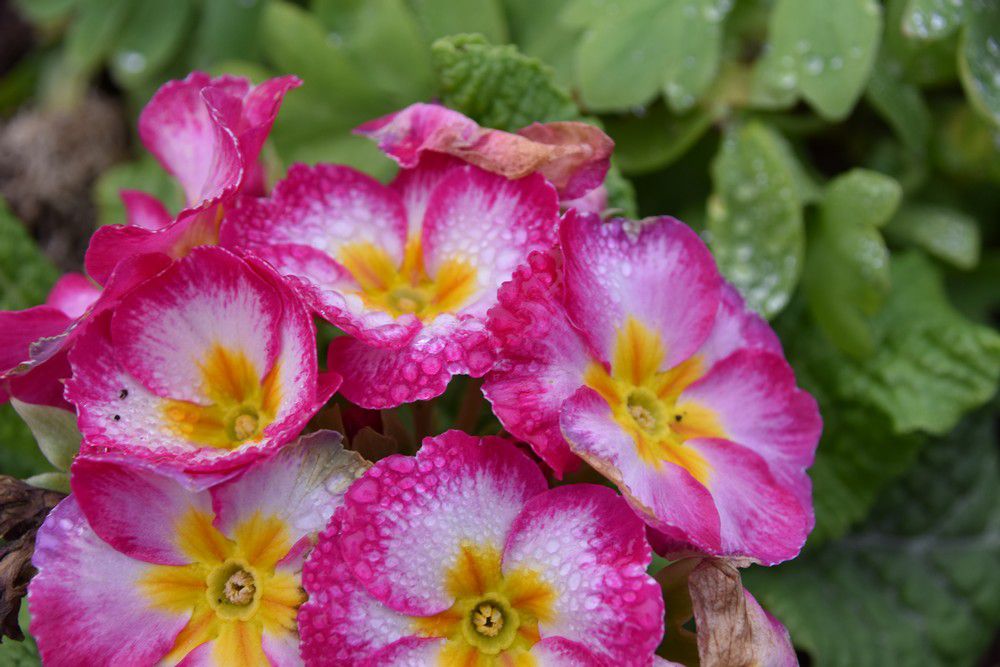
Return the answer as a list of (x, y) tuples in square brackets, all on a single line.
[(917, 584)]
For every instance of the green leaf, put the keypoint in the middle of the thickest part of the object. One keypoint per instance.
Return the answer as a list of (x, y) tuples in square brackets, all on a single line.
[(344, 148), (45, 11), (92, 33), (227, 30), (621, 193), (823, 50), (656, 138), (26, 275), (964, 145), (536, 27), (846, 244), (755, 216), (54, 429), (651, 46), (144, 174), (932, 19), (946, 233), (52, 481), (979, 58), (150, 36), (441, 18), (917, 61), (902, 106), (918, 583), (930, 365), (19, 455), (385, 40), (496, 85)]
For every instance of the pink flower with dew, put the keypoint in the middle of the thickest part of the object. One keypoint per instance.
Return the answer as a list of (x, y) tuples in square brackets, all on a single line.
[(139, 566), (408, 270), (34, 342), (207, 133), (630, 351), (460, 555), (573, 156), (206, 366)]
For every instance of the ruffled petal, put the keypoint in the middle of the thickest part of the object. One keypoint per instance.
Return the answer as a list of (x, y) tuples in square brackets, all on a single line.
[(736, 327), (135, 506), (760, 518), (667, 496), (303, 229), (301, 485), (20, 328), (407, 518), (144, 210), (87, 602), (490, 223), (541, 359), (341, 623), (657, 271), (380, 378), (573, 156), (73, 294), (585, 542)]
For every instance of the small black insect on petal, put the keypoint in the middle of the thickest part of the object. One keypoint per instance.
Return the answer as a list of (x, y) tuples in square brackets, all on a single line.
[(123, 393), (118, 418)]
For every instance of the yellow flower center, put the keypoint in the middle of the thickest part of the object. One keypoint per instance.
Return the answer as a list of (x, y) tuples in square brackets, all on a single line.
[(242, 403), (495, 617), (645, 400), (232, 588), (408, 289)]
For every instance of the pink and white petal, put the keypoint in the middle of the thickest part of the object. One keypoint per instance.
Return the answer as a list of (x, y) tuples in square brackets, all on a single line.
[(595, 202), (587, 544), (113, 244), (405, 520), (325, 207), (302, 484), (489, 222), (144, 210), (667, 497), (114, 410), (20, 328), (409, 652), (252, 114), (81, 585), (573, 156), (656, 270), (190, 141), (560, 652), (541, 359), (772, 643), (341, 623), (164, 329), (134, 505), (737, 327), (760, 519), (281, 648), (754, 396), (73, 294), (380, 378), (415, 186)]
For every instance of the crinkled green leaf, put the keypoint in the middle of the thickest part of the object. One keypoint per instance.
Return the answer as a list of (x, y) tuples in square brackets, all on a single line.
[(656, 138), (917, 584), (930, 365), (932, 19), (946, 233), (145, 175), (628, 57), (822, 50), (26, 275), (847, 267), (979, 57), (447, 17), (151, 35), (755, 216), (497, 85)]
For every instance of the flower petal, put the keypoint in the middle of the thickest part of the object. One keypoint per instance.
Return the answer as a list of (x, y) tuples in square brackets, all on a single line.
[(489, 222), (81, 585), (379, 378), (410, 652), (73, 294), (144, 210), (667, 496), (302, 484), (585, 542), (134, 506), (657, 271), (458, 489), (736, 327), (560, 652), (542, 359)]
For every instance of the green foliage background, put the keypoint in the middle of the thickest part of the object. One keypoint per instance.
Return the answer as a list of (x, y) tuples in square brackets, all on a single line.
[(841, 158)]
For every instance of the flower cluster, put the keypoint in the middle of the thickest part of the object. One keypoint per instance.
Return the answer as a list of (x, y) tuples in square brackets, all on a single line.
[(203, 527)]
